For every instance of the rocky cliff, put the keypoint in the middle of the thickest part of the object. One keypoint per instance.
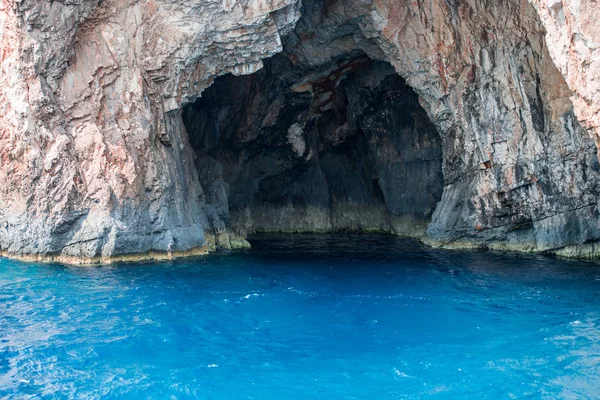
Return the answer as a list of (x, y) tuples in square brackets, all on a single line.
[(471, 123)]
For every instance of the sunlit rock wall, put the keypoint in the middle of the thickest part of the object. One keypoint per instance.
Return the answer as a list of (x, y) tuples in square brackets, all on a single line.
[(520, 172), (95, 160), (573, 36)]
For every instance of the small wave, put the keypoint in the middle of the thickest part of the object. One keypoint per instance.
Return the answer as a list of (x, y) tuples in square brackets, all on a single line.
[(401, 374)]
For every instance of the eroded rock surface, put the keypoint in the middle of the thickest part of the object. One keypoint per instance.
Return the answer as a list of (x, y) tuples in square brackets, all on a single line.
[(573, 36), (96, 161), (520, 171)]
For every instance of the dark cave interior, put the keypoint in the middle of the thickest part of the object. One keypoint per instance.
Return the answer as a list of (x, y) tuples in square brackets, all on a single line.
[(342, 148)]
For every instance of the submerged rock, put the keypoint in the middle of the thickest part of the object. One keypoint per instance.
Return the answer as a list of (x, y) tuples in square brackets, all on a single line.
[(96, 161)]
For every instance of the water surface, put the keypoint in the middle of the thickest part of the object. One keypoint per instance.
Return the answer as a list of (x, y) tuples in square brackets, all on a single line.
[(304, 317)]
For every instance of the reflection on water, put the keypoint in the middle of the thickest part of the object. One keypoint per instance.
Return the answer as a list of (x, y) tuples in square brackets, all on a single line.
[(304, 316)]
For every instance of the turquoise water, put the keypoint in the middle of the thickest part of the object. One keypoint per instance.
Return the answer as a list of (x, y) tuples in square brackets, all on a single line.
[(304, 317)]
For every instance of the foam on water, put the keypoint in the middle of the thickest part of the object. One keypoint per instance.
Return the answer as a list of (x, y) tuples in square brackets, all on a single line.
[(304, 317)]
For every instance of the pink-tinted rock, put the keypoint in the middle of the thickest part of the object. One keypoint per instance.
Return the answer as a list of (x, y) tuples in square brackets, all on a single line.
[(573, 36)]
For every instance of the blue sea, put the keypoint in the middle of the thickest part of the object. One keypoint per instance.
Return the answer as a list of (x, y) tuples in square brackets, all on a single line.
[(304, 317)]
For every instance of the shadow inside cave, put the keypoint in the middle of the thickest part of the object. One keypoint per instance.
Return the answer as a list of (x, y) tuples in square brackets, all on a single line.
[(345, 147)]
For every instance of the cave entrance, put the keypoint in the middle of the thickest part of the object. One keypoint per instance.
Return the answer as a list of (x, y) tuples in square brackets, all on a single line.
[(342, 148)]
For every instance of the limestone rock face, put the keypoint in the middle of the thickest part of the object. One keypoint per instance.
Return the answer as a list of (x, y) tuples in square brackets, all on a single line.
[(520, 172), (573, 36), (96, 161)]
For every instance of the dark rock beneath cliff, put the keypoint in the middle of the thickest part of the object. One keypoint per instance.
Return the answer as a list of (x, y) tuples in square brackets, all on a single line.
[(343, 147)]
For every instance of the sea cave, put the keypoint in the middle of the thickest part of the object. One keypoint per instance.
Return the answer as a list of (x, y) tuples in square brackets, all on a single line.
[(342, 148)]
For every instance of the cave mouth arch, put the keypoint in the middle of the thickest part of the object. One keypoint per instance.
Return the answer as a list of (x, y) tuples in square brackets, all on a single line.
[(345, 147)]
